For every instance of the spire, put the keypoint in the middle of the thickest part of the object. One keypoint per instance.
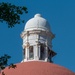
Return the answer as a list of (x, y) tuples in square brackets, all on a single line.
[(37, 40)]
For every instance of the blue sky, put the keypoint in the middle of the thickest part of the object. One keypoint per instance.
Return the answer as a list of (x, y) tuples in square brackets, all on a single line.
[(61, 16)]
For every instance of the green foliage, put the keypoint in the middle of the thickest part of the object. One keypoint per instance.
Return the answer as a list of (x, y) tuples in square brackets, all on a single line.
[(11, 13), (3, 61)]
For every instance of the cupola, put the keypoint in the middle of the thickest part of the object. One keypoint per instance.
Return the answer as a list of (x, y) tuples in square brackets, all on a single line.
[(37, 40)]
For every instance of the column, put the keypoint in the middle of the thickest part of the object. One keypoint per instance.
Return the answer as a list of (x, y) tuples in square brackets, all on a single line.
[(27, 52), (46, 54), (37, 47), (27, 47)]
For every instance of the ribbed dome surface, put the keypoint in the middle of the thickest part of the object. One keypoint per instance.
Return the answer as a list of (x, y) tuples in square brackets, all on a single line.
[(37, 23), (37, 68)]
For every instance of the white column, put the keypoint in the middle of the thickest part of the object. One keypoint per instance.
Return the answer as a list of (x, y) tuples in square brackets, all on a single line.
[(46, 54), (26, 55), (27, 47), (39, 51), (37, 47), (37, 58), (27, 51)]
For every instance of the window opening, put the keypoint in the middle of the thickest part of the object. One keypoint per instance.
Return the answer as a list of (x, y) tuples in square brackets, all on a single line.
[(41, 51), (23, 53), (31, 53)]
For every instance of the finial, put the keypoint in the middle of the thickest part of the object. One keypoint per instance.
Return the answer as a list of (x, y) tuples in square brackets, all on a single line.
[(37, 15)]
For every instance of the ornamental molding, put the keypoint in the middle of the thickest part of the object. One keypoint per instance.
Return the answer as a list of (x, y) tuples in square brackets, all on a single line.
[(46, 33), (27, 45)]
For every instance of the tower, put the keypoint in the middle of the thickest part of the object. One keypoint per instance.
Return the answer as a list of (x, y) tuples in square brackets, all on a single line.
[(37, 40)]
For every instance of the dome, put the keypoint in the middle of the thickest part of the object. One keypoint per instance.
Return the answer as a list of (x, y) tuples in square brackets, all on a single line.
[(37, 23), (37, 68)]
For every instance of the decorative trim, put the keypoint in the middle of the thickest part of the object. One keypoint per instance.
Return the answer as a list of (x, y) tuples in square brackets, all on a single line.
[(49, 34), (27, 45)]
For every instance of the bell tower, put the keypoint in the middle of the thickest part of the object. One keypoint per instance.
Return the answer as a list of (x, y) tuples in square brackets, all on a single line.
[(37, 40)]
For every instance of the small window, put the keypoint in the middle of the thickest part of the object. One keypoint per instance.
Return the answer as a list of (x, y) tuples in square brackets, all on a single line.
[(31, 53)]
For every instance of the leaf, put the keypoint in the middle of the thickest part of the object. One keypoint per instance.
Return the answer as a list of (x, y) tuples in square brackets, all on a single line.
[(11, 13)]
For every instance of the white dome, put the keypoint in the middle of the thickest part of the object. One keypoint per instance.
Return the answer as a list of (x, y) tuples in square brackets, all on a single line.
[(37, 23)]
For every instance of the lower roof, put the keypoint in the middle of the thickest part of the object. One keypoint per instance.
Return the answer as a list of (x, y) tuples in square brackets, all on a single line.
[(37, 68)]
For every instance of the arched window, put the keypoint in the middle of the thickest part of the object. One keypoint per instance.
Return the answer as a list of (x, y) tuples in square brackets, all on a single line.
[(31, 52)]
